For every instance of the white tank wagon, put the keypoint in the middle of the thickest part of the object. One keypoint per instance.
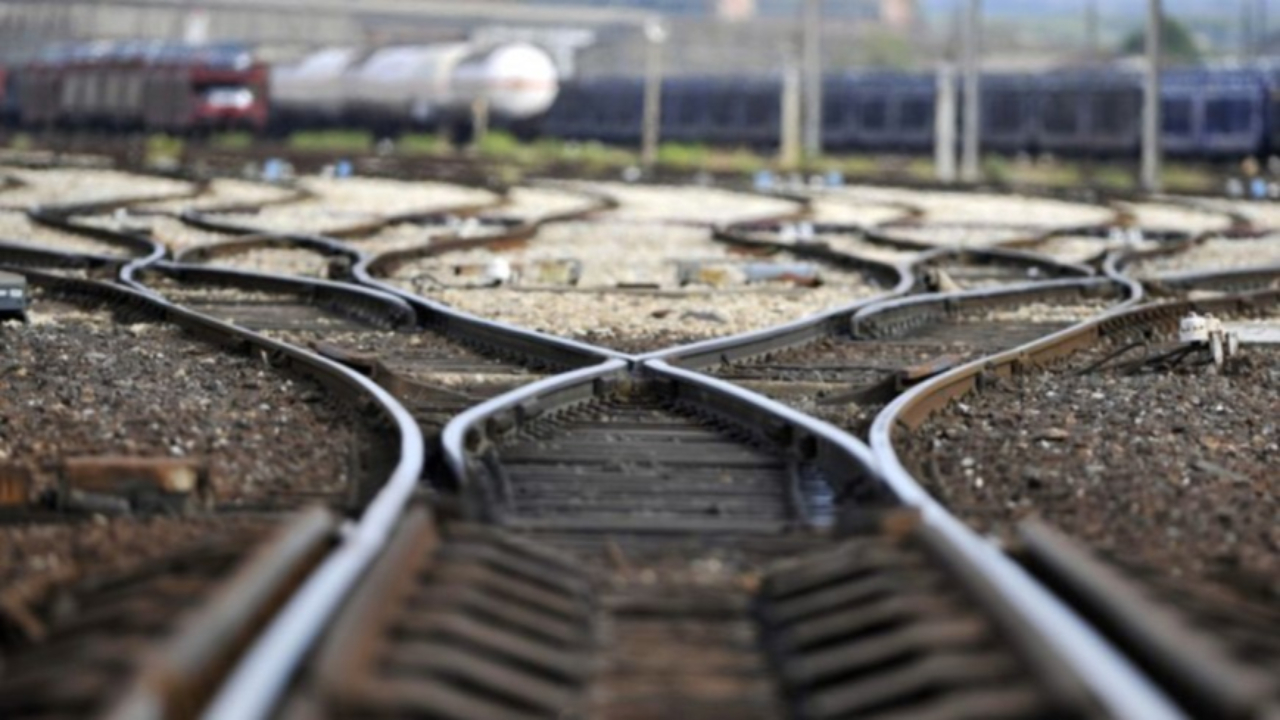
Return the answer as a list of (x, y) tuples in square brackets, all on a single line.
[(311, 91), (417, 87)]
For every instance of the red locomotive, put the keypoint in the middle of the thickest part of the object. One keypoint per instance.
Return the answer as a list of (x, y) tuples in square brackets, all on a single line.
[(148, 86)]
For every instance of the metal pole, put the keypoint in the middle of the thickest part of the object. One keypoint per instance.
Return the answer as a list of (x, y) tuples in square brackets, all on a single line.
[(655, 36), (970, 170), (944, 129), (789, 145), (479, 120), (813, 77), (1151, 101)]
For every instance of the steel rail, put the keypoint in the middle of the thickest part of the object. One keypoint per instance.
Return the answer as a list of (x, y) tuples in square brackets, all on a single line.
[(1117, 680)]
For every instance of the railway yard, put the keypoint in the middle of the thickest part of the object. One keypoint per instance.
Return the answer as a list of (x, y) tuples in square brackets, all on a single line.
[(409, 445)]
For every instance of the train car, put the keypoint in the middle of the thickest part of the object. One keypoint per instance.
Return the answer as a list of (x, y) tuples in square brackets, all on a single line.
[(518, 82), (13, 296), (147, 86), (407, 87), (606, 109), (310, 93), (761, 112), (8, 97), (1092, 113), (1234, 114), (1010, 105), (403, 87), (892, 111)]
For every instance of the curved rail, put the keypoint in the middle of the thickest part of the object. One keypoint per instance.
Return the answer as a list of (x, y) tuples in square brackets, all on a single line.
[(404, 468), (910, 411)]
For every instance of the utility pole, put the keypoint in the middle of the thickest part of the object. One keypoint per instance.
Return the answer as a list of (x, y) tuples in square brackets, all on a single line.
[(812, 49), (970, 170), (789, 145), (944, 129), (1151, 101), (655, 35)]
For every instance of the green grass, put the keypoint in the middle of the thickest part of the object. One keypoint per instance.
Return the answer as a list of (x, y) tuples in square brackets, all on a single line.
[(499, 144), (232, 141), (163, 150), (1112, 177), (21, 141), (1185, 178), (683, 156), (422, 144), (352, 141)]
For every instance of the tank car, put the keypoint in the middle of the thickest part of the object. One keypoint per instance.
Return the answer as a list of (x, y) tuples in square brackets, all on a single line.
[(13, 296), (404, 87)]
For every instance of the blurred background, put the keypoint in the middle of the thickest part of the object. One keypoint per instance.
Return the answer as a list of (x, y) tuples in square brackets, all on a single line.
[(782, 84)]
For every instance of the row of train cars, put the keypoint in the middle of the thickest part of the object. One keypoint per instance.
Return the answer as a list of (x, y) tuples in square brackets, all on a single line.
[(1209, 113)]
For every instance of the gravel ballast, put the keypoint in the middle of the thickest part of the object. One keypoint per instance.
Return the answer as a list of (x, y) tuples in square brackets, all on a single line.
[(940, 207), (698, 205), (339, 206), (1173, 470), (66, 185), (16, 227), (1175, 218), (150, 390), (1214, 254)]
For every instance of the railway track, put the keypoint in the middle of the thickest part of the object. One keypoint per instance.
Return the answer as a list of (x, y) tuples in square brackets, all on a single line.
[(658, 545), (628, 539), (845, 366), (141, 561), (436, 363), (1185, 593), (677, 285)]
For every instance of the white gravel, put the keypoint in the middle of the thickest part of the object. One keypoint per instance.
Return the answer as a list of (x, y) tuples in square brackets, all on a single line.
[(850, 243), (223, 192), (612, 254), (940, 235), (166, 230), (16, 227), (531, 204), (842, 210), (400, 236), (955, 207), (80, 185), (1262, 214), (608, 317), (341, 205), (687, 204), (1082, 248), (1170, 217), (1215, 254), (279, 261), (718, 302), (1043, 312)]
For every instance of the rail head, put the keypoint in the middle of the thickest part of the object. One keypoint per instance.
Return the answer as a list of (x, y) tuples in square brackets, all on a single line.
[(1125, 690), (476, 428), (1230, 280), (845, 458), (263, 674), (1113, 679), (886, 317), (367, 304)]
